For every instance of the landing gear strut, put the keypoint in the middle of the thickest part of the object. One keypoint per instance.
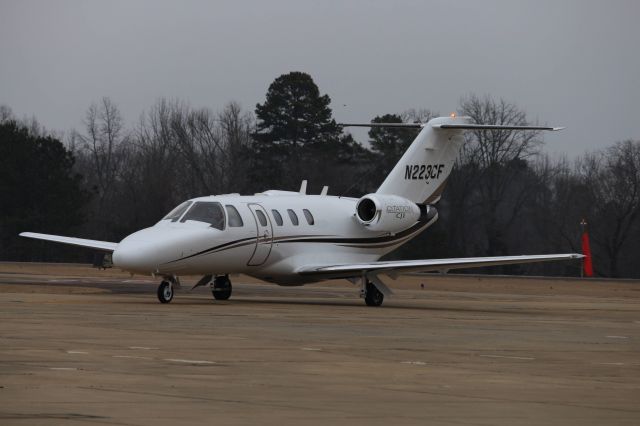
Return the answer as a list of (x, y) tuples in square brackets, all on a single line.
[(165, 291), (221, 288), (372, 296)]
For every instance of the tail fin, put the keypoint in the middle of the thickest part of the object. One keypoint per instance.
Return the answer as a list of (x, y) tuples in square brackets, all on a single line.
[(422, 172)]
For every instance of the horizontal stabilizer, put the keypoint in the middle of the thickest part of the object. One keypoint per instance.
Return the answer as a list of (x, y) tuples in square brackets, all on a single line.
[(398, 125), (452, 126), (493, 127), (94, 244)]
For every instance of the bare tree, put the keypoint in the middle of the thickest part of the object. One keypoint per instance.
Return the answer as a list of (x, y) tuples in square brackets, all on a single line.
[(612, 178), (193, 132), (193, 151), (497, 164), (557, 204), (213, 145), (6, 114), (32, 124), (419, 115), (104, 137), (100, 153), (155, 187), (236, 128)]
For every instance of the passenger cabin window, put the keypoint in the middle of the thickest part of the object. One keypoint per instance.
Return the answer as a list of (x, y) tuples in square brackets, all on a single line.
[(175, 214), (293, 216), (308, 216), (206, 211), (235, 220), (261, 218), (277, 217)]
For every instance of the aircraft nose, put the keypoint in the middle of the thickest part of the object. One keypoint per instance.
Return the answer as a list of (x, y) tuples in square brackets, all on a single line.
[(135, 256), (148, 251), (139, 252)]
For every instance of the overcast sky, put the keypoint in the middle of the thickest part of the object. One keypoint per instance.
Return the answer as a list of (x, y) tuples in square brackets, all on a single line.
[(571, 63)]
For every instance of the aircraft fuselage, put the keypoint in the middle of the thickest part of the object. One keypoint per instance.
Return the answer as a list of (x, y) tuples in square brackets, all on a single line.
[(276, 235)]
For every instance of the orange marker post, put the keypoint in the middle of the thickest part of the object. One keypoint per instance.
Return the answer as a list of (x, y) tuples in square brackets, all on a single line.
[(586, 250)]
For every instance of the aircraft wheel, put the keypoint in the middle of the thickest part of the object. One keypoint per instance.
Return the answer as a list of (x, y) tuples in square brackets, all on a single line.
[(221, 288), (373, 297), (165, 292)]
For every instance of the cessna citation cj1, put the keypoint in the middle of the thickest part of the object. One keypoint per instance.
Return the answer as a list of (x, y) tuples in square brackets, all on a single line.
[(291, 238)]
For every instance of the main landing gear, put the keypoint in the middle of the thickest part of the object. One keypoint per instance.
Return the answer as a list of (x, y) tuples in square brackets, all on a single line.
[(221, 287), (372, 296)]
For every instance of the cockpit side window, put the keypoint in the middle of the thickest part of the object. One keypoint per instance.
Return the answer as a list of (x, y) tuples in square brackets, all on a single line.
[(175, 214), (206, 211), (234, 217)]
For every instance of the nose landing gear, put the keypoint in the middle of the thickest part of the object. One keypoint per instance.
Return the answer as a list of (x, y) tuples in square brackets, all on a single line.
[(221, 287), (165, 289)]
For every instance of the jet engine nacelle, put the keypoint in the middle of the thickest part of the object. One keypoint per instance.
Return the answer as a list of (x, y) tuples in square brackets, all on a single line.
[(390, 213)]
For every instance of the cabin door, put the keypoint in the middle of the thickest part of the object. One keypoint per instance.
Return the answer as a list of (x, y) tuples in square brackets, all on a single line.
[(264, 235)]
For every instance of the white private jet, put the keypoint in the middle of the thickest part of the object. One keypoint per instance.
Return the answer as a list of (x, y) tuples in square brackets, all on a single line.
[(291, 238)]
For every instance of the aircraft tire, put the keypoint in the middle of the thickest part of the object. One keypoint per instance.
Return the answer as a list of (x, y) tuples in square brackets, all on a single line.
[(373, 297), (221, 289), (165, 292)]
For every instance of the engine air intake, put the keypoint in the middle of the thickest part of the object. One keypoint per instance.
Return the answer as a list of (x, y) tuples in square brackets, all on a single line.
[(366, 210)]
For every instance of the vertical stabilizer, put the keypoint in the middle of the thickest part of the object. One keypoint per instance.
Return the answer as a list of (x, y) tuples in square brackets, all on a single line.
[(423, 170)]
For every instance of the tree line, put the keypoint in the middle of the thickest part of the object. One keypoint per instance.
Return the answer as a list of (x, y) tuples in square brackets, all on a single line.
[(505, 196)]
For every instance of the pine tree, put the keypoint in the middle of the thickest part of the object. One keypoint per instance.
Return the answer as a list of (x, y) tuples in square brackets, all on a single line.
[(39, 190), (388, 144), (295, 128)]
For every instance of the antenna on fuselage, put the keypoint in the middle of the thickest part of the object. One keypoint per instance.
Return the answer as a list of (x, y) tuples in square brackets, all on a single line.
[(325, 190), (303, 187)]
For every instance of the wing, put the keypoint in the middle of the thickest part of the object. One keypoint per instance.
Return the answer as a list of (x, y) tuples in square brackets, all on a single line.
[(94, 244), (349, 270)]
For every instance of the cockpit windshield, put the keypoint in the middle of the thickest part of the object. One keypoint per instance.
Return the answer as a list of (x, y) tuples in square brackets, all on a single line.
[(205, 211), (175, 214)]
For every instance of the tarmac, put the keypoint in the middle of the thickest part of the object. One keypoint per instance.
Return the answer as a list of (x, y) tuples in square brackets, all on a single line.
[(82, 346)]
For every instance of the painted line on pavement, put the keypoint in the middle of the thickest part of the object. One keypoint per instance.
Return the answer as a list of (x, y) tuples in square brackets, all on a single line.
[(526, 358), (131, 357), (414, 362), (189, 361)]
